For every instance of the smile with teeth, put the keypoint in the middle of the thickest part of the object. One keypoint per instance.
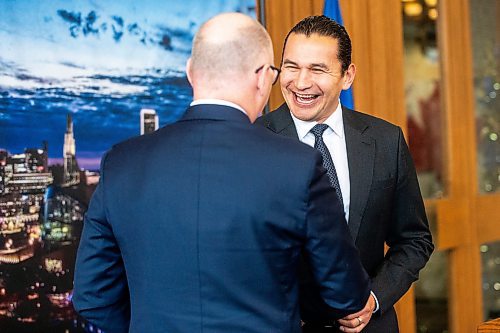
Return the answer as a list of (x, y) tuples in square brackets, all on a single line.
[(305, 99)]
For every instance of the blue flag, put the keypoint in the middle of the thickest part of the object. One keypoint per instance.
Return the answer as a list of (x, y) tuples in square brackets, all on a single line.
[(332, 10)]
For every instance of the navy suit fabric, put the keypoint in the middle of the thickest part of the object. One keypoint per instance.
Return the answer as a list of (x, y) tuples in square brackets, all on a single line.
[(198, 228)]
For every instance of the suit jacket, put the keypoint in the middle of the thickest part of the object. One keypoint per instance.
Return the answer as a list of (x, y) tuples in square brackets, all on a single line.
[(198, 228), (386, 207)]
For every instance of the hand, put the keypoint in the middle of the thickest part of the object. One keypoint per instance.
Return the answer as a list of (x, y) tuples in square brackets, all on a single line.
[(355, 322)]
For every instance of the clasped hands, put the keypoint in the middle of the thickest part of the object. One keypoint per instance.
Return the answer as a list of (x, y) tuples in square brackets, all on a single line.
[(355, 322)]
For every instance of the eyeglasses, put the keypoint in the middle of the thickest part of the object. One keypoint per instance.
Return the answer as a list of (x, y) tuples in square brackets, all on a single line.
[(276, 72)]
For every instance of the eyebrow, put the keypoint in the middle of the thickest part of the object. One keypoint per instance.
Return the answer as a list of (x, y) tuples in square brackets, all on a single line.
[(319, 65), (289, 62)]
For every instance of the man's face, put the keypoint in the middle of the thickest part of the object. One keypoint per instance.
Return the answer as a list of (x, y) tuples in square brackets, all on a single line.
[(311, 78)]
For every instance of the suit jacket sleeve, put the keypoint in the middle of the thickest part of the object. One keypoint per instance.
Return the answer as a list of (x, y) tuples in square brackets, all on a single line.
[(330, 252), (100, 286), (409, 238)]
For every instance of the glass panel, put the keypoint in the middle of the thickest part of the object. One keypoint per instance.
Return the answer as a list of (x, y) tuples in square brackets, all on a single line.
[(422, 90), (431, 290), (485, 31), (490, 259)]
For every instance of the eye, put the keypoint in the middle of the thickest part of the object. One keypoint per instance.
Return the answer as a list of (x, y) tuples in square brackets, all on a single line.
[(318, 70), (290, 67)]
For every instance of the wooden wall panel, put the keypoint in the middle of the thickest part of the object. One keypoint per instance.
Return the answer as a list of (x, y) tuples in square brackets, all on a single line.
[(465, 268), (458, 99), (375, 28), (488, 217), (449, 214)]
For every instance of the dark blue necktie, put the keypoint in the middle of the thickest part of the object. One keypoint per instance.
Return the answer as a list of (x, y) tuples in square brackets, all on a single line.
[(319, 144)]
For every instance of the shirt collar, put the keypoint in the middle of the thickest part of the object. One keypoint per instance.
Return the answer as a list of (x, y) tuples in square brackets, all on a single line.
[(217, 102), (335, 122)]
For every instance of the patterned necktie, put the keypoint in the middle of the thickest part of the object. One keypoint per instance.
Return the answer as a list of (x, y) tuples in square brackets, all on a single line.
[(319, 144)]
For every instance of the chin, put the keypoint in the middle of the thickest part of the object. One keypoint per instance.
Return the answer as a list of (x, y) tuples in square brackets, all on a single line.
[(303, 115)]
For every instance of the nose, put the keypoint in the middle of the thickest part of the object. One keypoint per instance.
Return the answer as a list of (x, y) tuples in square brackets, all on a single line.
[(303, 81)]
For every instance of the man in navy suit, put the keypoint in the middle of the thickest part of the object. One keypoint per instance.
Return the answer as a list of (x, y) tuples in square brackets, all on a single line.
[(375, 175), (198, 227)]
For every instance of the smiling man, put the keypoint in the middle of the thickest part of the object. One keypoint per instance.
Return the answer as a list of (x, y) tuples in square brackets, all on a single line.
[(313, 77), (369, 165)]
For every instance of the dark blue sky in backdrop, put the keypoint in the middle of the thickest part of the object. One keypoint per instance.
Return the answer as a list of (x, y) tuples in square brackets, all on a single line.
[(100, 61)]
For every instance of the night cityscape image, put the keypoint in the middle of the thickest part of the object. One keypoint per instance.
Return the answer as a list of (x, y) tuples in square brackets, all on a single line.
[(76, 78)]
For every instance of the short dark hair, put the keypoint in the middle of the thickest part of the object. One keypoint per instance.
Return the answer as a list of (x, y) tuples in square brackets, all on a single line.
[(325, 26)]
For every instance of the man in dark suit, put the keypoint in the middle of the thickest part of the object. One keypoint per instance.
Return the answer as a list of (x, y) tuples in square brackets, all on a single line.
[(369, 165), (191, 229)]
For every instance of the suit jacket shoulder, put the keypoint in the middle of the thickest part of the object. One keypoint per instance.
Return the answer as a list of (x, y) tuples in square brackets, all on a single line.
[(376, 126), (280, 121)]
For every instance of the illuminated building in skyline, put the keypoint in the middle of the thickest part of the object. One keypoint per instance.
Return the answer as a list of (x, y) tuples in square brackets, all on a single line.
[(149, 121), (71, 169)]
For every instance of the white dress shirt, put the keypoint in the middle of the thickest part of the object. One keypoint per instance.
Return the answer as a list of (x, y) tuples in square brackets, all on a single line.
[(215, 101), (334, 139)]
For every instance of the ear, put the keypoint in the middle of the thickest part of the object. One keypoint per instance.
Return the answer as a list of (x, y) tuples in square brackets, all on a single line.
[(261, 94), (263, 81), (349, 75), (188, 72)]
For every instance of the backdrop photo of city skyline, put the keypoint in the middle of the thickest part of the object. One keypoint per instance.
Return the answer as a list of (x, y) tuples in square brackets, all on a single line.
[(74, 77)]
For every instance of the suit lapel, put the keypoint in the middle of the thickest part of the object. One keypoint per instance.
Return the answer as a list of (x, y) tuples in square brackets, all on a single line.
[(282, 123), (360, 156)]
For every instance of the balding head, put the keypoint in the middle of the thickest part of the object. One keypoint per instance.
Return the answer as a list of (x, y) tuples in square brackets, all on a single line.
[(229, 42), (227, 50)]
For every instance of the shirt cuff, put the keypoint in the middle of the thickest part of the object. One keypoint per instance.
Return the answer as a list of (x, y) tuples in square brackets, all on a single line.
[(376, 301)]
